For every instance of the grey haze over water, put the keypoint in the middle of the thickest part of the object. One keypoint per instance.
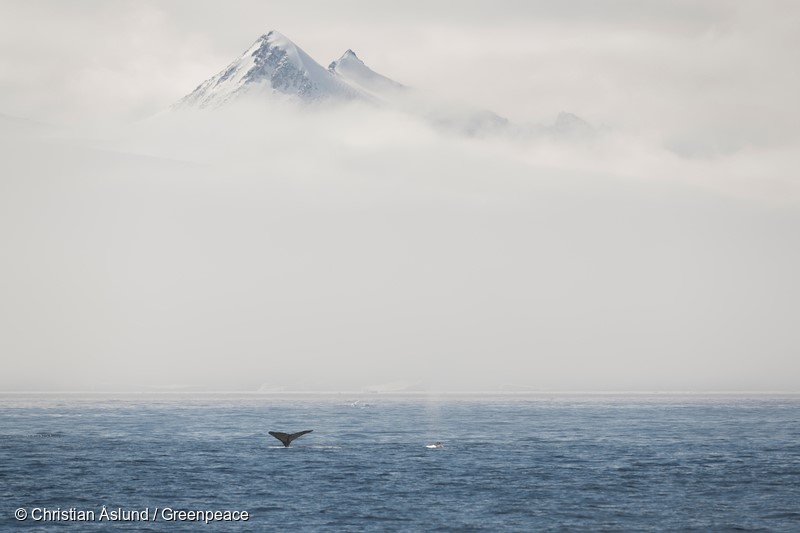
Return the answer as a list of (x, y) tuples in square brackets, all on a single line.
[(352, 248)]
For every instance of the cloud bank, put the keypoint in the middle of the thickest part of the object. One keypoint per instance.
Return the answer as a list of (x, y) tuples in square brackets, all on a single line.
[(355, 248), (350, 248)]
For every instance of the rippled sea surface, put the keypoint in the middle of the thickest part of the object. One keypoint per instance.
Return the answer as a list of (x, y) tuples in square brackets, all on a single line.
[(533, 463)]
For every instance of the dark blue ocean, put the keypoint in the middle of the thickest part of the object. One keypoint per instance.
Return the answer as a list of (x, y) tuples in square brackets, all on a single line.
[(532, 463)]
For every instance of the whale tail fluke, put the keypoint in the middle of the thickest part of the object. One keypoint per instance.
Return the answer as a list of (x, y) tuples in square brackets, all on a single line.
[(287, 438)]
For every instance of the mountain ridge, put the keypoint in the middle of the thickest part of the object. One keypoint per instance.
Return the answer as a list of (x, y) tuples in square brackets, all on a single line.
[(275, 65), (272, 61)]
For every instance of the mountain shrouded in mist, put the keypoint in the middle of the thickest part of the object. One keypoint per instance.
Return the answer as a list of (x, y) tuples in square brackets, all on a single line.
[(275, 66), (297, 224), (356, 74)]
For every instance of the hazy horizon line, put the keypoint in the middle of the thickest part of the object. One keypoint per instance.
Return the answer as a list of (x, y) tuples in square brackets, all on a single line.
[(414, 393)]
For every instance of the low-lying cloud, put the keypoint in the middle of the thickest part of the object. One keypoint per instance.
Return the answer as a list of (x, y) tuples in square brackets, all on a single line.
[(351, 248), (318, 247)]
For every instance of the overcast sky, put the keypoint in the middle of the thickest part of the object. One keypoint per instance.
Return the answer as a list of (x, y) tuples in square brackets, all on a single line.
[(354, 247), (718, 74)]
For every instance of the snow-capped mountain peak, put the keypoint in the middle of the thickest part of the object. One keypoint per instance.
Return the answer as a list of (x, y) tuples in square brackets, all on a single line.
[(354, 72), (349, 55), (275, 63)]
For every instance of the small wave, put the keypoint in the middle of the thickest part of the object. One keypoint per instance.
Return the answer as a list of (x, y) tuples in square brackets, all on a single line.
[(783, 515)]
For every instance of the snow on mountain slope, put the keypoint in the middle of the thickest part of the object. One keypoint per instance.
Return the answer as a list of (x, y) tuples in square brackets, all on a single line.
[(350, 69), (274, 63), (444, 114)]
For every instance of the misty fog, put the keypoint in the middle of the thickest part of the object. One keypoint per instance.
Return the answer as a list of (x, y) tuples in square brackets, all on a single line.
[(350, 248), (270, 246)]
